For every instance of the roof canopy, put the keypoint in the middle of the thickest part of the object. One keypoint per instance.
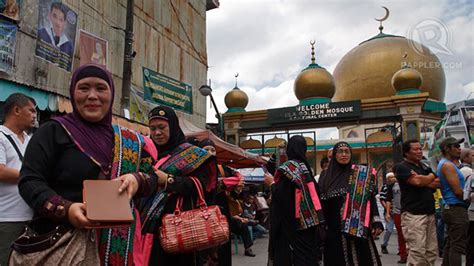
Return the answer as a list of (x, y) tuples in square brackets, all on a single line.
[(227, 153)]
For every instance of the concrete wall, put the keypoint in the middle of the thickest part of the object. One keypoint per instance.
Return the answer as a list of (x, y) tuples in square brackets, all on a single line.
[(169, 37)]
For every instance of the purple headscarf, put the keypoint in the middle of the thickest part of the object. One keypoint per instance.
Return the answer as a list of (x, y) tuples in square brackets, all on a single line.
[(96, 140)]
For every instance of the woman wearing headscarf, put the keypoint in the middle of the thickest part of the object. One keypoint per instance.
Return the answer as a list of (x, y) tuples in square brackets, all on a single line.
[(295, 210), (348, 200), (84, 145), (178, 161)]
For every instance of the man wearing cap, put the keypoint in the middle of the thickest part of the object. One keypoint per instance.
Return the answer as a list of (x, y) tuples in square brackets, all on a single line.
[(455, 211), (417, 182)]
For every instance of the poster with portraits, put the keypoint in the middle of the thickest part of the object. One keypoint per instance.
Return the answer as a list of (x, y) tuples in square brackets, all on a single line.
[(8, 31), (57, 25), (92, 49), (10, 9)]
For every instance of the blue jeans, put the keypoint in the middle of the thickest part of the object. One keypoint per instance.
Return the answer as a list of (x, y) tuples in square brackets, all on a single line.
[(388, 232), (258, 231), (440, 232)]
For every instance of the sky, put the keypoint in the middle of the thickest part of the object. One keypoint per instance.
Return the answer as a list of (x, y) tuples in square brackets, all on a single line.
[(267, 43)]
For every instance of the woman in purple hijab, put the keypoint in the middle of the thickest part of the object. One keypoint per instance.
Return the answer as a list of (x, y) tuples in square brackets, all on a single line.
[(80, 146)]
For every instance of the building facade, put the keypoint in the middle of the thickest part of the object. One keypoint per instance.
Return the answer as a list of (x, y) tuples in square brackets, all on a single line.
[(169, 38)]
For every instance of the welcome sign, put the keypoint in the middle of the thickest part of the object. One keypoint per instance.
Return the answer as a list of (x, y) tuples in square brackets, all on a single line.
[(311, 112)]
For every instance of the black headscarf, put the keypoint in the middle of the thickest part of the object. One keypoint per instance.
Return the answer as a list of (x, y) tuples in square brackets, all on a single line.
[(335, 179), (176, 133), (296, 150)]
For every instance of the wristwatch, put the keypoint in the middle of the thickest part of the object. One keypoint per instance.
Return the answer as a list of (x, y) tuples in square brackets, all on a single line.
[(170, 179)]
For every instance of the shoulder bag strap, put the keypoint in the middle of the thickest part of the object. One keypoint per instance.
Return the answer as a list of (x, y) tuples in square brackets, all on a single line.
[(14, 146)]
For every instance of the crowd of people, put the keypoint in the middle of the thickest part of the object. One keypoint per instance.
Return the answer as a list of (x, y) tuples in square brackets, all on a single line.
[(331, 218)]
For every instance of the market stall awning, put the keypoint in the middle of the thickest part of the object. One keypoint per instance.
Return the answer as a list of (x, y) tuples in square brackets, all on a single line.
[(227, 153)]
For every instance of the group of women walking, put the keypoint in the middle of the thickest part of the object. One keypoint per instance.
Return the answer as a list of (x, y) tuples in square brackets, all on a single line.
[(337, 217), (306, 217)]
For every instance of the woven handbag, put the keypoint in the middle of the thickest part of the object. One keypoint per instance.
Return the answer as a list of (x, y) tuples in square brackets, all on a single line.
[(197, 229)]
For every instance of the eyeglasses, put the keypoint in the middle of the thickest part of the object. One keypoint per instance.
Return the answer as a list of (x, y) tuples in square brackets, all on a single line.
[(343, 152), (457, 145)]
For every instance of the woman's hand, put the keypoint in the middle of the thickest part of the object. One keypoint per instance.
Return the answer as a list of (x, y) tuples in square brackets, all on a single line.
[(162, 177), (77, 216), (376, 231), (268, 179), (129, 183)]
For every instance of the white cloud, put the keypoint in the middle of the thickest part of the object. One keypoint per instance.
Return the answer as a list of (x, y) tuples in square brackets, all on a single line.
[(267, 42)]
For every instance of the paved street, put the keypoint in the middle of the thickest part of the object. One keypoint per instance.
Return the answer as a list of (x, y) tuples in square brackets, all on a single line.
[(261, 245)]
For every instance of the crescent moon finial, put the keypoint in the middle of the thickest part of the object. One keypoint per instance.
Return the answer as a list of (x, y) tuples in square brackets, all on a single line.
[(236, 76), (385, 17), (405, 64), (313, 60)]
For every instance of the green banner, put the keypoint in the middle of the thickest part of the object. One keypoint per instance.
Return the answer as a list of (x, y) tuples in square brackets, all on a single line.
[(163, 90)]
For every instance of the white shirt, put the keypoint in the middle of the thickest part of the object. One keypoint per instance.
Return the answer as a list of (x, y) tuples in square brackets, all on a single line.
[(12, 206)]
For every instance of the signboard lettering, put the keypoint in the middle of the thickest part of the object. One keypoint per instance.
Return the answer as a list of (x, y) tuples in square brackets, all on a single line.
[(319, 111), (160, 89)]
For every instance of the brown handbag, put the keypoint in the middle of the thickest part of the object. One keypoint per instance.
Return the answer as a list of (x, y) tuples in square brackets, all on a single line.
[(197, 229), (62, 246)]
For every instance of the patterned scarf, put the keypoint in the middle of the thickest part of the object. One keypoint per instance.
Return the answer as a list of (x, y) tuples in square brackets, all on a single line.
[(308, 210), (356, 215), (116, 244), (182, 161)]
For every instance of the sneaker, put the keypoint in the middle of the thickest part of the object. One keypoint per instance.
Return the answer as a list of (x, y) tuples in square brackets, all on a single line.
[(249, 253), (384, 249), (402, 261)]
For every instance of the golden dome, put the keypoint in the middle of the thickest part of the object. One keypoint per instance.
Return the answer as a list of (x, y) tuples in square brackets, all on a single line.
[(236, 100), (366, 71), (274, 142), (314, 81), (250, 144), (407, 78)]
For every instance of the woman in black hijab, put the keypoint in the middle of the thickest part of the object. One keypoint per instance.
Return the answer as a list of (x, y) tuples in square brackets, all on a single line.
[(178, 161), (295, 210), (337, 196)]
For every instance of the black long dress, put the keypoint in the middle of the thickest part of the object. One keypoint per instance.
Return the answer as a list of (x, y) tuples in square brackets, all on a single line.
[(345, 250), (289, 246)]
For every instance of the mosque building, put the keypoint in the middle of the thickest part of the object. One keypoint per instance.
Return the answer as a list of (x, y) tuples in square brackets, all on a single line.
[(385, 90)]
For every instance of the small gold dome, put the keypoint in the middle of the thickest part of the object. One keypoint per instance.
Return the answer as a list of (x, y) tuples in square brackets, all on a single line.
[(407, 78), (314, 82), (236, 99), (366, 71)]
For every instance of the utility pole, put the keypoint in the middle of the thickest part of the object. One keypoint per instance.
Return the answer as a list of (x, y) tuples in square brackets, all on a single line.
[(127, 59)]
